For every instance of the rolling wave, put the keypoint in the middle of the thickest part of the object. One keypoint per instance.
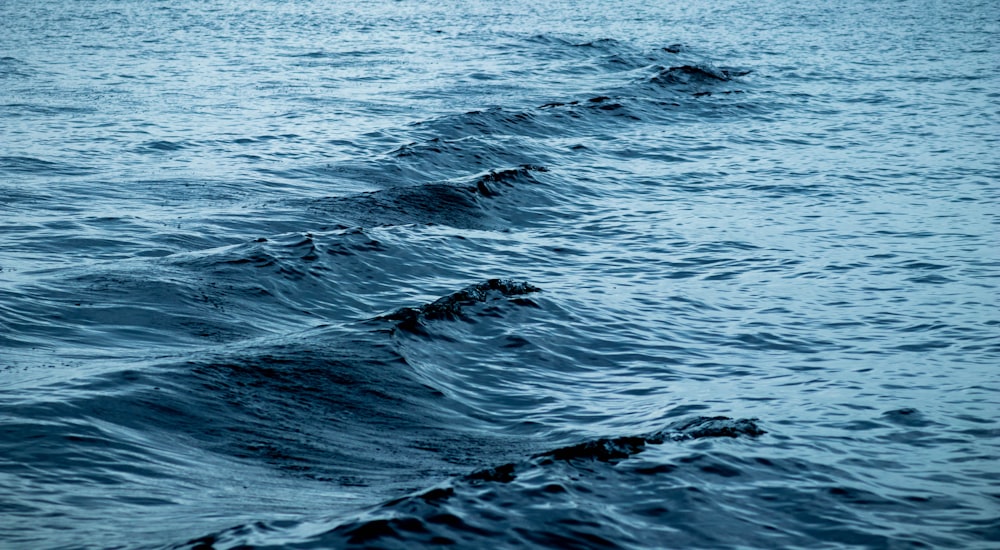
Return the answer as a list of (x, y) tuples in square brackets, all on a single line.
[(313, 275), (465, 511)]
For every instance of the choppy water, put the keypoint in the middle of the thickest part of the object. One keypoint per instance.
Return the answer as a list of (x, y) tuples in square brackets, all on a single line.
[(573, 274)]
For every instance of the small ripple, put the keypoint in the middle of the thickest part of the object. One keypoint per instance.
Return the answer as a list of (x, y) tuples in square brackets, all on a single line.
[(40, 167)]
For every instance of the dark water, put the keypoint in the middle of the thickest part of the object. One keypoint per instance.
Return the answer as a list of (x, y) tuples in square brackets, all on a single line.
[(574, 274)]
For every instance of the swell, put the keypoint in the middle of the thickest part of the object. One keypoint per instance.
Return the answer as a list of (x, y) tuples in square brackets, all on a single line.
[(14, 68), (341, 403), (463, 205), (32, 166), (336, 405), (426, 158), (700, 482), (663, 85), (466, 509), (267, 285), (651, 94)]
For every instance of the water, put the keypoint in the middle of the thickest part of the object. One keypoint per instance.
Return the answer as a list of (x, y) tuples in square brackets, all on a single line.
[(616, 274)]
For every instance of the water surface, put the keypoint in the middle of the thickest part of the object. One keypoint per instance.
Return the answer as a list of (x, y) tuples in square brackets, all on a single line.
[(615, 274)]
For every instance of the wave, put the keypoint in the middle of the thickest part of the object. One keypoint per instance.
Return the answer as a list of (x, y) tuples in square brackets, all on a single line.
[(607, 450), (700, 482), (163, 146), (465, 510), (36, 166), (691, 74), (455, 204), (335, 404), (12, 67), (660, 85), (450, 307)]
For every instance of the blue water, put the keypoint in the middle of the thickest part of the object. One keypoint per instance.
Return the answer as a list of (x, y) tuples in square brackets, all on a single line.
[(499, 274)]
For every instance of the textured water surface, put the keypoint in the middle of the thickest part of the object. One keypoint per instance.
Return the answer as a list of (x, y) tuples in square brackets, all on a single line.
[(499, 274)]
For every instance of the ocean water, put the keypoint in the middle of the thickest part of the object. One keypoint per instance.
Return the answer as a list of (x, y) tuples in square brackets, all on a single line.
[(570, 274)]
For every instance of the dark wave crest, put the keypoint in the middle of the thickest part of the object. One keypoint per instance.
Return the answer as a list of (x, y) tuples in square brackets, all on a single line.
[(452, 306), (454, 204), (607, 450), (465, 510)]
